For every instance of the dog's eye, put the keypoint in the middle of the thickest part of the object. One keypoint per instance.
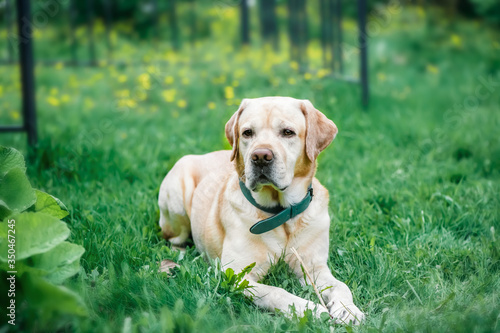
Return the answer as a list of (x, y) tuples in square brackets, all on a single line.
[(247, 133), (287, 132)]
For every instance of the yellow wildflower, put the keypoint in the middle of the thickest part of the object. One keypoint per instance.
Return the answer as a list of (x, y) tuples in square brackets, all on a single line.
[(65, 98), (235, 83), (211, 105), (239, 73), (456, 40), (219, 79), (229, 92), (54, 91), (169, 79), (322, 73), (53, 101), (294, 65), (432, 69), (381, 76), (144, 80), (169, 95), (15, 115), (185, 81), (127, 102), (122, 93), (122, 78), (307, 76), (59, 65), (182, 103), (292, 80)]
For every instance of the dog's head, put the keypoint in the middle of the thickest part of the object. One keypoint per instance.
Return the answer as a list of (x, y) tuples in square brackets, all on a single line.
[(276, 139)]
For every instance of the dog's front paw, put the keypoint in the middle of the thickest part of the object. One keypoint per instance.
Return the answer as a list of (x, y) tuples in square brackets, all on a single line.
[(344, 313)]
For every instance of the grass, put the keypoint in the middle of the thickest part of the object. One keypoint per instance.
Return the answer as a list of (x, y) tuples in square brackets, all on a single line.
[(413, 182)]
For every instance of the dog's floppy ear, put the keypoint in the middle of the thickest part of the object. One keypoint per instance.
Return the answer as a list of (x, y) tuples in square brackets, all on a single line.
[(320, 131), (232, 131)]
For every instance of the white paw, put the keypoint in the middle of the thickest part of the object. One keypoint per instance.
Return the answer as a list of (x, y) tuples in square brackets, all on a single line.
[(345, 313)]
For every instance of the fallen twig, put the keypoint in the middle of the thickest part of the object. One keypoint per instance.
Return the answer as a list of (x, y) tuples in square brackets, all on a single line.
[(310, 278)]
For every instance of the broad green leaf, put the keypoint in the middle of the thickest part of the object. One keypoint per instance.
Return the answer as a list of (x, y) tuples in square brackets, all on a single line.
[(50, 205), (50, 299), (64, 272), (34, 233), (10, 158), (62, 262), (16, 194), (21, 267)]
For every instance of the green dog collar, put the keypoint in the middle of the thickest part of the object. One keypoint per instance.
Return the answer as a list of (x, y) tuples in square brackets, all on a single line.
[(282, 214)]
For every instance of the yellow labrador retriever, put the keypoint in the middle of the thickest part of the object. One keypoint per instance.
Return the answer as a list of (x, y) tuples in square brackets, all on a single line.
[(256, 202)]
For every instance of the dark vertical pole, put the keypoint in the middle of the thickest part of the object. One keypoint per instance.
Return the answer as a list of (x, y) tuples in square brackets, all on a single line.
[(90, 31), (108, 21), (8, 24), (363, 48), (338, 39), (27, 69), (245, 33), (72, 28)]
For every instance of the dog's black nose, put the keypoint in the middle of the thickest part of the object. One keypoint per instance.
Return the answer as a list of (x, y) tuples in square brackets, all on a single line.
[(262, 156)]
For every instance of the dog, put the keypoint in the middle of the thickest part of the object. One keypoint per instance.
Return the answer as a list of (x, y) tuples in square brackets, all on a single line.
[(256, 202)]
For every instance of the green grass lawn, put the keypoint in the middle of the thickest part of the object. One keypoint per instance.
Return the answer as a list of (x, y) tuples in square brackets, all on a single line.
[(414, 182)]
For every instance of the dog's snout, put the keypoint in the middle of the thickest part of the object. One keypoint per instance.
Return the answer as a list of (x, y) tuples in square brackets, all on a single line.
[(262, 156)]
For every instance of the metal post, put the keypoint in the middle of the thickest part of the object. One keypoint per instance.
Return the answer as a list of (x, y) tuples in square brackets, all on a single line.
[(27, 75), (245, 35), (363, 48)]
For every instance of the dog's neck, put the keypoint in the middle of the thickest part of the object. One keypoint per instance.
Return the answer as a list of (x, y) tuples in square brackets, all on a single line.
[(268, 196)]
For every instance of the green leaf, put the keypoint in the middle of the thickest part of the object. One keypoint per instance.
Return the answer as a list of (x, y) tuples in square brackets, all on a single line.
[(22, 267), (51, 300), (10, 158), (229, 273), (50, 205), (34, 233), (16, 194), (62, 262)]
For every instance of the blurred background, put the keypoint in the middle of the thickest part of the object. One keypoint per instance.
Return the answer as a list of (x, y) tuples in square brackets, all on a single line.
[(123, 88)]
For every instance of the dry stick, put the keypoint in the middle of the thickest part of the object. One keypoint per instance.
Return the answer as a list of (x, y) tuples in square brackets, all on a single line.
[(310, 279)]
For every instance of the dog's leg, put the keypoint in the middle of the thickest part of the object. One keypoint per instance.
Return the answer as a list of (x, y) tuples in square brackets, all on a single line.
[(274, 298), (336, 295), (174, 200)]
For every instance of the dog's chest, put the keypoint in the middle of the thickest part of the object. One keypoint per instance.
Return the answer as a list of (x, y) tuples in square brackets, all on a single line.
[(281, 238)]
